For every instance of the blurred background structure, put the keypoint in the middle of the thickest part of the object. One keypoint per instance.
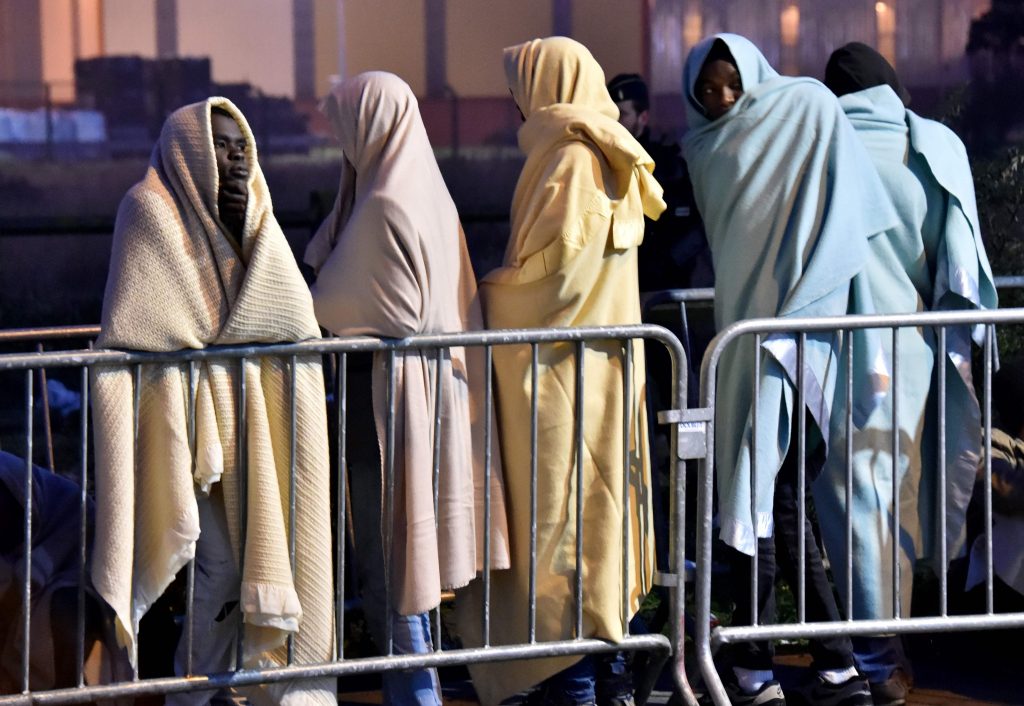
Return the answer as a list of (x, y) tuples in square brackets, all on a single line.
[(135, 60), (86, 84)]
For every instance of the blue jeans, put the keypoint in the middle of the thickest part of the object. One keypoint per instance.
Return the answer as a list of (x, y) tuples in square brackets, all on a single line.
[(879, 656), (608, 674), (410, 633)]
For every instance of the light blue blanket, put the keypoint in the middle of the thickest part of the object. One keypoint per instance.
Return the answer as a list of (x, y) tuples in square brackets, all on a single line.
[(914, 266), (789, 199)]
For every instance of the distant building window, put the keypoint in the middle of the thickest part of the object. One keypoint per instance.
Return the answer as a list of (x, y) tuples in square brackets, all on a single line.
[(789, 32), (693, 27), (885, 26)]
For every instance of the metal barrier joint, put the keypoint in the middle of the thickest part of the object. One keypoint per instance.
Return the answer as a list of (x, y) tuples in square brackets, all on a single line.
[(691, 430)]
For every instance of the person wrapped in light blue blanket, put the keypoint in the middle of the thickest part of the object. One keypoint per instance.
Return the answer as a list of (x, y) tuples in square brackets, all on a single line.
[(789, 199), (933, 258)]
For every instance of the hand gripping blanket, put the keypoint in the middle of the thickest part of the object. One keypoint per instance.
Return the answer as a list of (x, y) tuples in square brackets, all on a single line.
[(177, 280)]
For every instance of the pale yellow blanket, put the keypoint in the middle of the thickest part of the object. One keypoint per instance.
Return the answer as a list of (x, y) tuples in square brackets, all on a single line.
[(577, 219), (177, 280)]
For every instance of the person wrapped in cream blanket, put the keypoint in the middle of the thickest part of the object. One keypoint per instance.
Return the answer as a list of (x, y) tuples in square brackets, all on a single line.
[(198, 259)]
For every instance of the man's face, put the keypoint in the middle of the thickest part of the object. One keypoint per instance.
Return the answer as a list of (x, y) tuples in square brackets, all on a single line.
[(233, 171), (718, 87), (631, 119), (229, 146)]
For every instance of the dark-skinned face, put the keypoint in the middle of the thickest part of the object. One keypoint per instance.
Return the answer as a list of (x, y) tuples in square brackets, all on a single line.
[(233, 171), (718, 87)]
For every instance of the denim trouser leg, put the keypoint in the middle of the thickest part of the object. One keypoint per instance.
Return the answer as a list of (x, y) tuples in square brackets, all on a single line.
[(410, 633), (614, 674), (878, 656), (572, 685)]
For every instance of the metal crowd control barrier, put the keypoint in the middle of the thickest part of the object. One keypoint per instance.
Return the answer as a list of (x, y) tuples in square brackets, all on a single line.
[(683, 299), (37, 338), (755, 332), (31, 364)]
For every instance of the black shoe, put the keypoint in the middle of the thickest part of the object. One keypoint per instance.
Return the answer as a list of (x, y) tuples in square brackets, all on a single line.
[(852, 692), (544, 696), (770, 694), (893, 691)]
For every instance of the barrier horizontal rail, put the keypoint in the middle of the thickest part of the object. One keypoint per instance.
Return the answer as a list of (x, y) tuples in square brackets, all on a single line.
[(338, 348), (352, 344), (651, 300), (796, 330), (362, 665), (707, 294)]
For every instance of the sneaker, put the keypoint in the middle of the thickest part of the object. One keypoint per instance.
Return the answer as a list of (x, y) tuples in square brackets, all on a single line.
[(852, 692), (770, 694), (893, 691)]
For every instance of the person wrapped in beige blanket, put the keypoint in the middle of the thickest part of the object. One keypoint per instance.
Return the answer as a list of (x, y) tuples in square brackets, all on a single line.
[(391, 260), (577, 219), (198, 259)]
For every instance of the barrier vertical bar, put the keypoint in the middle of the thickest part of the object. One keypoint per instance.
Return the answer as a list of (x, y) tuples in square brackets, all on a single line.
[(849, 474), (488, 420), (83, 524), (26, 590), (987, 451), (389, 504), (627, 419), (705, 533), (190, 577), (896, 568), (436, 481), (801, 478), (47, 421), (677, 523), (136, 407), (578, 582), (943, 549), (341, 403), (242, 466), (754, 558), (534, 362), (684, 320), (292, 483)]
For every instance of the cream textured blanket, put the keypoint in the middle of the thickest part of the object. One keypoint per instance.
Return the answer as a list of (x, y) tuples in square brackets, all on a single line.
[(177, 280)]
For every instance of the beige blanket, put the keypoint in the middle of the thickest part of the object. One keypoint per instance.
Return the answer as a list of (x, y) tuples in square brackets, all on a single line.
[(392, 261), (178, 281)]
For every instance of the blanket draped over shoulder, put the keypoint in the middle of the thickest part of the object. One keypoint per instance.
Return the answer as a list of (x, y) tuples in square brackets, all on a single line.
[(577, 219), (177, 280), (789, 199), (931, 259), (391, 260)]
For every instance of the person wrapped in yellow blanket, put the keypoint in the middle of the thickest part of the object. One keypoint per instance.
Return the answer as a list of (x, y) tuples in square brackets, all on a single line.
[(571, 260)]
